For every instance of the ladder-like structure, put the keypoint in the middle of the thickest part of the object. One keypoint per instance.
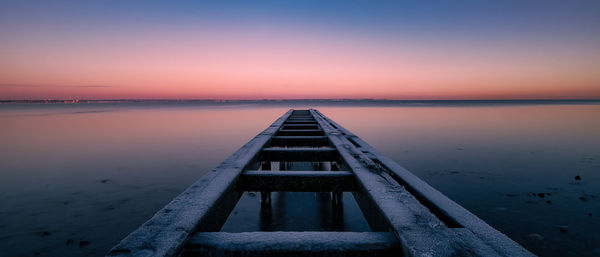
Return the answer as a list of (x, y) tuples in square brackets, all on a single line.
[(406, 215)]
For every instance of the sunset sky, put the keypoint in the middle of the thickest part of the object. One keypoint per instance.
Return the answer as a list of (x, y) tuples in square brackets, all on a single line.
[(306, 49)]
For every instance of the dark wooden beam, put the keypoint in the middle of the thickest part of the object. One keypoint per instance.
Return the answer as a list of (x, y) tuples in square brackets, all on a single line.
[(300, 126), (297, 181), (287, 244), (299, 141), (294, 122), (308, 116), (300, 132), (299, 154), (300, 120)]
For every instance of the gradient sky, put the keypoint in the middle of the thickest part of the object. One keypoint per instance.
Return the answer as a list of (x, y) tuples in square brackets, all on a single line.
[(309, 49)]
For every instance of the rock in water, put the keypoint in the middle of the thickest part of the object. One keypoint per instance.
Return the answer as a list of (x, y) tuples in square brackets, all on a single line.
[(535, 237), (563, 228), (83, 243)]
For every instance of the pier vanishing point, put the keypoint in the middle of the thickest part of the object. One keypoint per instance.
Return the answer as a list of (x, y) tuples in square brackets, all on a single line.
[(407, 217)]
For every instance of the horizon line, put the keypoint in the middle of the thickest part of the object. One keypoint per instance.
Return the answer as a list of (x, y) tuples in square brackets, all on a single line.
[(289, 99)]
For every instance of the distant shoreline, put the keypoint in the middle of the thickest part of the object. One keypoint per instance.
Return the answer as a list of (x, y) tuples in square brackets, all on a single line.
[(368, 102)]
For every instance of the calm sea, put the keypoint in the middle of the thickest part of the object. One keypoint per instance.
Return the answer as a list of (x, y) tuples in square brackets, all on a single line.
[(76, 179)]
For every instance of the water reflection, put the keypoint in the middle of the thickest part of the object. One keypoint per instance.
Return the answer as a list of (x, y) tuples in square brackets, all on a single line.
[(513, 166), (87, 175), (296, 211), (74, 180)]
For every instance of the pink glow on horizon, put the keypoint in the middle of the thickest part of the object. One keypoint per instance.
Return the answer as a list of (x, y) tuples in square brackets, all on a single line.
[(280, 64)]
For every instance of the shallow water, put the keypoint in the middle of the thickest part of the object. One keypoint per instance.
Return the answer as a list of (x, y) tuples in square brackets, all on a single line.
[(76, 179)]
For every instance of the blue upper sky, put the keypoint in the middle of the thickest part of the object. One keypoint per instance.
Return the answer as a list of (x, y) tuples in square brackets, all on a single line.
[(544, 37)]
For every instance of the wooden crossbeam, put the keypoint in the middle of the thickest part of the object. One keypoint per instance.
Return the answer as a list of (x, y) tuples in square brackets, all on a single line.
[(287, 244), (294, 116), (301, 120), (297, 181), (299, 141), (299, 154), (300, 132), (300, 126), (294, 122)]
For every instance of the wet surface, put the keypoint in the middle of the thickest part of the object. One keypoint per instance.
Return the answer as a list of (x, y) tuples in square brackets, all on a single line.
[(74, 180), (295, 211)]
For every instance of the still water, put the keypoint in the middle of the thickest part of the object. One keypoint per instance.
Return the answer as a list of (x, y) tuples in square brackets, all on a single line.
[(76, 179)]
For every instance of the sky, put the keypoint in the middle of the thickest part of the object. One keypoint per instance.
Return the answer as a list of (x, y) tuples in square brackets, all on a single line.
[(299, 49)]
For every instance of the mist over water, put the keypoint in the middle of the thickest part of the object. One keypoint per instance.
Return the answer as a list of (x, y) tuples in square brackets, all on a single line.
[(76, 179)]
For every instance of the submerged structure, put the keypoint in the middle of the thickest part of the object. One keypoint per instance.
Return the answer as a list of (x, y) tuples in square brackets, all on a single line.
[(407, 217)]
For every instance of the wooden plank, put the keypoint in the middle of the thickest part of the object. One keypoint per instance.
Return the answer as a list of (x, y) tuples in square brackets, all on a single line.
[(300, 122), (419, 230), (286, 244), (297, 112), (299, 154), (438, 202), (204, 206), (301, 119), (297, 181), (299, 141), (300, 132), (300, 126)]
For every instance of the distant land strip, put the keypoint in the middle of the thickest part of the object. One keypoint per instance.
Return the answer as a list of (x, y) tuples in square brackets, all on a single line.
[(336, 102)]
